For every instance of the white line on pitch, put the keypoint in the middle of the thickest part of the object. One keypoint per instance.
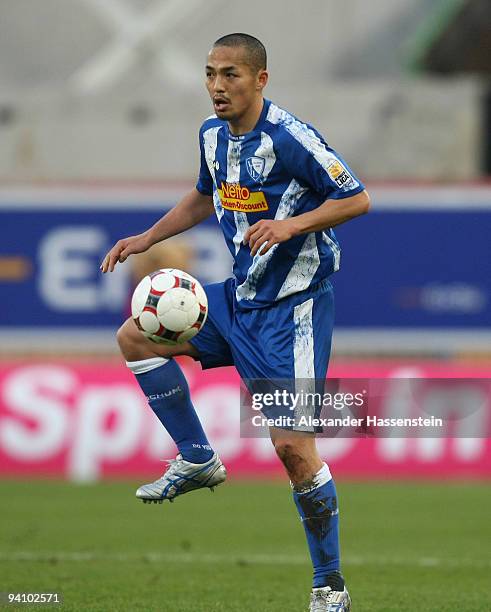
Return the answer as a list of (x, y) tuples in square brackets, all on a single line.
[(252, 559)]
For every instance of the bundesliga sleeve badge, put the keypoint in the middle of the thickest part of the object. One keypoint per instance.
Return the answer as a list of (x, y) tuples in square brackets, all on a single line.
[(343, 179)]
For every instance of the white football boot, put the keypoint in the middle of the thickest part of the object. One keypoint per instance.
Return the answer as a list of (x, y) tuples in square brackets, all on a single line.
[(324, 599), (181, 477)]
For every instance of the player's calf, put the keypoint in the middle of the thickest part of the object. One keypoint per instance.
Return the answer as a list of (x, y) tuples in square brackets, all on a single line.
[(167, 392), (315, 496)]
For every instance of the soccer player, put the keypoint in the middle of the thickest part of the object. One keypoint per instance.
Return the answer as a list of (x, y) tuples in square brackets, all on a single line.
[(277, 189)]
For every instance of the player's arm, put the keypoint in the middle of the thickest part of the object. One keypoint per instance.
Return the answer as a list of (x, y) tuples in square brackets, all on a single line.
[(328, 214), (308, 158), (191, 210)]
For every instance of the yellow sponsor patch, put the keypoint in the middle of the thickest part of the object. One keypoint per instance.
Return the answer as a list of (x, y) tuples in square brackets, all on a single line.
[(235, 197)]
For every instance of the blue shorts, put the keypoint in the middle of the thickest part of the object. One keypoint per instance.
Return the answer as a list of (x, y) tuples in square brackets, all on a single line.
[(289, 340)]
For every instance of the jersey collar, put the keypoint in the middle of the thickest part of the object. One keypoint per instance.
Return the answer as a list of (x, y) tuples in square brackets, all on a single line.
[(262, 118)]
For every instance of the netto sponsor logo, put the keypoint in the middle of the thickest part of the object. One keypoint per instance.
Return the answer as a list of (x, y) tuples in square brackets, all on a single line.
[(234, 196)]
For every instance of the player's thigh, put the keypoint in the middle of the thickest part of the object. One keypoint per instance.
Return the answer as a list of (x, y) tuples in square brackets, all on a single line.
[(212, 342), (135, 346), (290, 340), (282, 352)]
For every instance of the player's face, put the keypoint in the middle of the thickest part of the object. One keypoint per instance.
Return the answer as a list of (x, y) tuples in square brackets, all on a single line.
[(233, 85)]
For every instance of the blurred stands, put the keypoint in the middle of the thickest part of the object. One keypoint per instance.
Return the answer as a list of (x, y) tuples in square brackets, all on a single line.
[(99, 89)]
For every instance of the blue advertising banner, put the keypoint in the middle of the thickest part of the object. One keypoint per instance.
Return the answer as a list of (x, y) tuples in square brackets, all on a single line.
[(415, 269), (61, 284), (418, 261)]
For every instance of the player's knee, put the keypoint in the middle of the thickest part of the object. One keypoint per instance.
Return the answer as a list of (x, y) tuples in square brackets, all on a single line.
[(122, 338), (289, 453), (283, 447), (299, 457), (128, 338), (135, 347)]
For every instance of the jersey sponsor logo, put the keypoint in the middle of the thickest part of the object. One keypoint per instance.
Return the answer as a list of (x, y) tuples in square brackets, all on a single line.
[(340, 175), (255, 167), (235, 197)]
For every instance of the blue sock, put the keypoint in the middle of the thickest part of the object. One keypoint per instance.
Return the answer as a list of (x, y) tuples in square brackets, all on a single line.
[(167, 392), (318, 510)]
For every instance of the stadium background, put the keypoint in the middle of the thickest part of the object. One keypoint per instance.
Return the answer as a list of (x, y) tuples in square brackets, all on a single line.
[(100, 104)]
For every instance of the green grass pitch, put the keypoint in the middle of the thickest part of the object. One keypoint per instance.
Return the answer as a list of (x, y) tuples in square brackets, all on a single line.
[(406, 547)]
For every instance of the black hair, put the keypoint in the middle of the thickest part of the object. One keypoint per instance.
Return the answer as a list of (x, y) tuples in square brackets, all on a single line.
[(256, 52)]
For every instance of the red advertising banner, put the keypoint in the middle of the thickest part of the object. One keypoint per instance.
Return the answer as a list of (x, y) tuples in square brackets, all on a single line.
[(85, 421)]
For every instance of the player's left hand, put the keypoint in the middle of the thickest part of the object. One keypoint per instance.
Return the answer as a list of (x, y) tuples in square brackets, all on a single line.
[(266, 233)]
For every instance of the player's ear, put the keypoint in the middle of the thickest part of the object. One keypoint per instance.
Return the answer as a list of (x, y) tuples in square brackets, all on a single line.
[(262, 79)]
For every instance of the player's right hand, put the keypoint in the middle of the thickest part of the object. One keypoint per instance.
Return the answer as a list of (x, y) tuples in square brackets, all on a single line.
[(122, 249)]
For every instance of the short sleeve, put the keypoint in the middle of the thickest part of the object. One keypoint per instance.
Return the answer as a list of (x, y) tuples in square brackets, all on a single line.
[(312, 162), (205, 182)]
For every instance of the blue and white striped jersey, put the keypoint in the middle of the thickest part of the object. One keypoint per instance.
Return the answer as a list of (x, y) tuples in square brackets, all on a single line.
[(282, 168)]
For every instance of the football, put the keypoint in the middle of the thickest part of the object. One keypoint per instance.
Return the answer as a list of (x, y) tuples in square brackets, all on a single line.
[(169, 306)]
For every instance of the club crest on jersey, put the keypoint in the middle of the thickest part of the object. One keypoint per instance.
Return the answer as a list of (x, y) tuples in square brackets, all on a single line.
[(234, 196), (255, 166)]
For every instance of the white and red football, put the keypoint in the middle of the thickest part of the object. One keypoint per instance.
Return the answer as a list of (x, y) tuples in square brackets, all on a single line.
[(169, 306)]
